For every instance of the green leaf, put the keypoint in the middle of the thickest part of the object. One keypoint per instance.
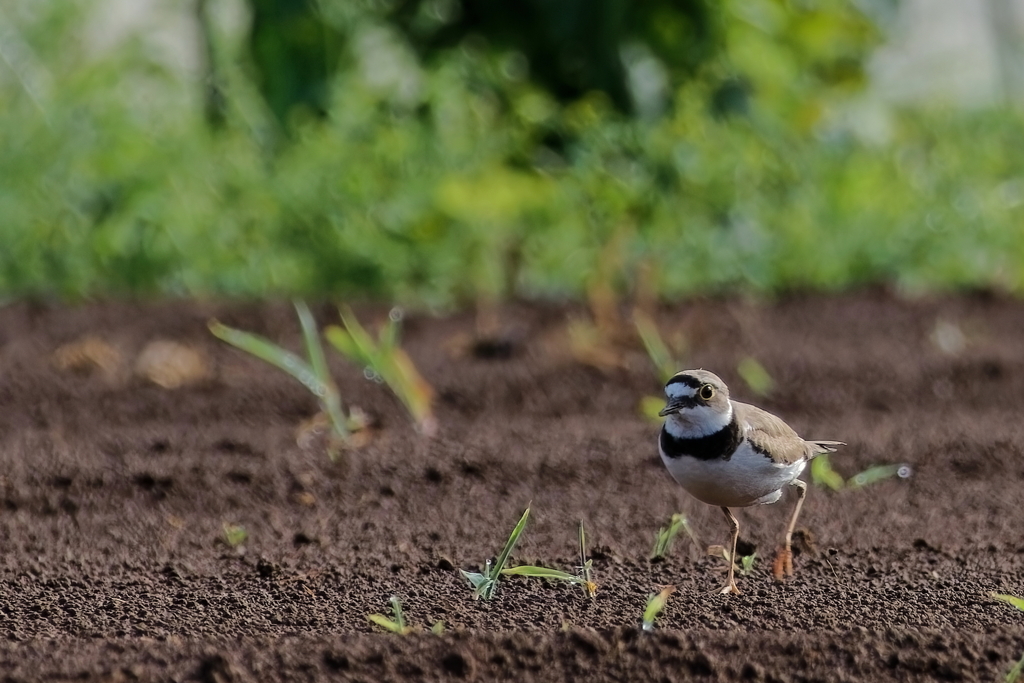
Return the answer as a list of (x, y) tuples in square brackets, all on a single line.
[(878, 473), (387, 361), (386, 623), (267, 351), (495, 571), (756, 377), (438, 628), (312, 338), (479, 582), (542, 573), (655, 604), (343, 342), (586, 565), (365, 348), (650, 406), (235, 535), (1014, 674), (331, 400), (665, 537), (396, 610), (822, 474), (657, 350), (1009, 600)]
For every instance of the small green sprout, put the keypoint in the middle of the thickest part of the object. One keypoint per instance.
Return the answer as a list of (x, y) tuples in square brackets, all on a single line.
[(484, 584), (235, 535), (747, 563), (756, 377), (822, 474), (586, 565), (879, 473), (655, 604), (1017, 671), (542, 573), (661, 358), (313, 374), (397, 624), (657, 350), (1009, 600), (665, 537), (384, 361)]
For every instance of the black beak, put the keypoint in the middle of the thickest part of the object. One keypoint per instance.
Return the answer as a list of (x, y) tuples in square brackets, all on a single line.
[(672, 407)]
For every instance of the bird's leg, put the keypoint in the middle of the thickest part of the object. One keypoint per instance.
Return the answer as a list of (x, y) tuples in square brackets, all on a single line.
[(784, 560), (735, 525)]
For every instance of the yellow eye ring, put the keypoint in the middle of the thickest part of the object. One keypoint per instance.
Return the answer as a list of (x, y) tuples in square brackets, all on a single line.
[(707, 392)]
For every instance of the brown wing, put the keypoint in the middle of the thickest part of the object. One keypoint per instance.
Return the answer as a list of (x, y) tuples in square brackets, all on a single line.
[(777, 439)]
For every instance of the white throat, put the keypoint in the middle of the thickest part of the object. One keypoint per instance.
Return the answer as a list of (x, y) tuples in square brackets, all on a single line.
[(693, 423)]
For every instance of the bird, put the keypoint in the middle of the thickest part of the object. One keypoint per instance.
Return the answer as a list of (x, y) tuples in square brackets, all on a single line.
[(731, 454)]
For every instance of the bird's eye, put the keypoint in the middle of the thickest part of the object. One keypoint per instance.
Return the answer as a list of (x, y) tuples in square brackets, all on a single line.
[(707, 392)]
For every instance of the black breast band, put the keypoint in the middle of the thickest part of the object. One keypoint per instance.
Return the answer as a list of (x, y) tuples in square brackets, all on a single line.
[(722, 444)]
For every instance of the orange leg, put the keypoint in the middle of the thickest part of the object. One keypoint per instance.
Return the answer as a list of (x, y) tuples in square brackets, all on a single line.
[(784, 560), (735, 525)]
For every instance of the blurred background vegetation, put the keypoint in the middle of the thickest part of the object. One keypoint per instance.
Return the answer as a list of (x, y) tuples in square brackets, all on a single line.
[(441, 152)]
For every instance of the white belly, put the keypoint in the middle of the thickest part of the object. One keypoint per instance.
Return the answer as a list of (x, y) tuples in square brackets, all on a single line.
[(747, 478)]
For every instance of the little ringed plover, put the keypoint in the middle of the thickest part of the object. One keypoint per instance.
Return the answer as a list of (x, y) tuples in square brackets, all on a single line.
[(732, 454)]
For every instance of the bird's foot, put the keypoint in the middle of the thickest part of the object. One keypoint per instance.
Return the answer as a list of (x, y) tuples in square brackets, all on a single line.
[(730, 589), (782, 566)]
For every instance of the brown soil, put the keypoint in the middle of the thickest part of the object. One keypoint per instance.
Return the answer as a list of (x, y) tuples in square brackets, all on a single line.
[(115, 492)]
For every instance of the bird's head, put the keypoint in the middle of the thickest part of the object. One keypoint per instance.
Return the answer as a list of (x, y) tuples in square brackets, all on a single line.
[(698, 402)]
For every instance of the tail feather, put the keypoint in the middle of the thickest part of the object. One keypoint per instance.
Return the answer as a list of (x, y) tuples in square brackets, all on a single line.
[(827, 446)]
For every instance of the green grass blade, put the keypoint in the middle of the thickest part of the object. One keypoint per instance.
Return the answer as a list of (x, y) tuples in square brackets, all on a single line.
[(878, 473), (494, 572), (396, 610), (266, 350), (756, 377), (1016, 672), (655, 604), (665, 536), (542, 573), (342, 341), (479, 582), (311, 335), (510, 544), (657, 350), (389, 333), (366, 350), (386, 623), (331, 400), (822, 474), (747, 564), (1009, 600), (586, 566), (235, 535)]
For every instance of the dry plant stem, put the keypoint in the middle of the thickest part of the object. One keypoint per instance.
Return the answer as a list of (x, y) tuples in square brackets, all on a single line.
[(734, 523)]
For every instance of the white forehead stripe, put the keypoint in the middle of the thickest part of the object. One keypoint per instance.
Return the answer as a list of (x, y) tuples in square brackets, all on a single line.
[(679, 390)]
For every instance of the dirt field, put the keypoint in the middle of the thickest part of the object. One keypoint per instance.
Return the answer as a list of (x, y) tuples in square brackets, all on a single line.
[(114, 494)]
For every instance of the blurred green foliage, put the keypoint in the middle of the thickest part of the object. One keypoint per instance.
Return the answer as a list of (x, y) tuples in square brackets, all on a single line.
[(440, 180), (570, 47)]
